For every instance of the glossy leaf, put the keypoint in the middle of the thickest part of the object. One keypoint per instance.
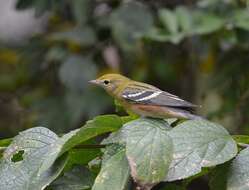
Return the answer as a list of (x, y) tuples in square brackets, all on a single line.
[(238, 177), (37, 145), (114, 173), (149, 149), (97, 126), (197, 144), (93, 128), (79, 178)]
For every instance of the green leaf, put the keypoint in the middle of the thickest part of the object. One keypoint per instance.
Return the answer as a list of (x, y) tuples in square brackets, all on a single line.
[(33, 147), (5, 142), (79, 178), (43, 180), (35, 151), (163, 36), (205, 23), (114, 173), (197, 144), (241, 19), (218, 179), (169, 20), (76, 71), (97, 126), (238, 176), (110, 151), (241, 138), (129, 23), (185, 19), (81, 156), (149, 149), (121, 136), (93, 128)]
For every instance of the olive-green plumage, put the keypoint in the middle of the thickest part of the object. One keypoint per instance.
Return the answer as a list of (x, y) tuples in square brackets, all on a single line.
[(144, 99)]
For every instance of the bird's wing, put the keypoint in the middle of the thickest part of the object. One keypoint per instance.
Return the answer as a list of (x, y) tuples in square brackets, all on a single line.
[(154, 97)]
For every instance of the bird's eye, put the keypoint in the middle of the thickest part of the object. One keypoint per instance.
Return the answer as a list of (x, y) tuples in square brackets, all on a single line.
[(106, 82)]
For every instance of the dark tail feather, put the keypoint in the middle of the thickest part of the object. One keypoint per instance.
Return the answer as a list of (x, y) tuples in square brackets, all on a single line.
[(184, 114)]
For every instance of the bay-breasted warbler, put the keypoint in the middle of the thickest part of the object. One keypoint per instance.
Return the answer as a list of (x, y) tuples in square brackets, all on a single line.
[(144, 99)]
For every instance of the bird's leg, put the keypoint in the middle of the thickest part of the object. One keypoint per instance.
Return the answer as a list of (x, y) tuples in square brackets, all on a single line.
[(176, 122)]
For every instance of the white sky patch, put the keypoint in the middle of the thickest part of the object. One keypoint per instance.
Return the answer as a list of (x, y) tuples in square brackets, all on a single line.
[(155, 94)]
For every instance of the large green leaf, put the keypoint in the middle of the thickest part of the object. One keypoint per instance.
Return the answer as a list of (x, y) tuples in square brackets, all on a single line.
[(238, 177), (121, 136), (114, 173), (34, 151), (99, 125), (79, 178), (93, 128), (149, 149), (22, 160), (197, 144)]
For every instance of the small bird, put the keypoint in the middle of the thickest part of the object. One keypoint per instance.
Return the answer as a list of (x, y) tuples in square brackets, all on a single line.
[(144, 99)]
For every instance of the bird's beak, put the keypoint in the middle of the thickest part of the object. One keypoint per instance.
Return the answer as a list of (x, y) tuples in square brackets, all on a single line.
[(94, 82)]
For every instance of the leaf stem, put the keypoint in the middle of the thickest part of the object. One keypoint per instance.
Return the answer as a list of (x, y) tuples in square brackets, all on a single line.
[(89, 146)]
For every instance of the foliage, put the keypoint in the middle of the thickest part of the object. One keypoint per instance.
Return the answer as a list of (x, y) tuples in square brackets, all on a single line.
[(168, 44), (197, 49), (147, 151)]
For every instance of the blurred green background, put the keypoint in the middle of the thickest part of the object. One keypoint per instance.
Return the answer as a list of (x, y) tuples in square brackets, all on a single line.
[(49, 49)]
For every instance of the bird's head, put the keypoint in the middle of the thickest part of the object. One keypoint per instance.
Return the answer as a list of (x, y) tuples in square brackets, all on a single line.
[(110, 82)]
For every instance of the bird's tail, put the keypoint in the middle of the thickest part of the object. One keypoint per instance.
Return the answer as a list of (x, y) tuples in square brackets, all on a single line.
[(184, 114), (192, 116)]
